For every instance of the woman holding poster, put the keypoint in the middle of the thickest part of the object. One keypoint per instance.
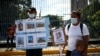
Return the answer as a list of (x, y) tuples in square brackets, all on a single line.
[(33, 52), (76, 31)]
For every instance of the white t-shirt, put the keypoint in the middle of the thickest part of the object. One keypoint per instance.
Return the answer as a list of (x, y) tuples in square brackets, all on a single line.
[(74, 33)]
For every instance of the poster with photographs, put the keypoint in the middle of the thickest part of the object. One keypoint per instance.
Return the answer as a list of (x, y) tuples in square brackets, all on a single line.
[(20, 41), (58, 36), (32, 34)]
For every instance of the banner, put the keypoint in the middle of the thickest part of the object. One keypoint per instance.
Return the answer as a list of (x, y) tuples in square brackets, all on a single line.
[(32, 34)]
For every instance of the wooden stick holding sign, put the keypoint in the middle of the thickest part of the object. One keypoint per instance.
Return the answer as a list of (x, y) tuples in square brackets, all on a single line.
[(58, 38)]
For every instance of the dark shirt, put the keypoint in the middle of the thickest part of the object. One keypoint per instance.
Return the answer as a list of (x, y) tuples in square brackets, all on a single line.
[(11, 31)]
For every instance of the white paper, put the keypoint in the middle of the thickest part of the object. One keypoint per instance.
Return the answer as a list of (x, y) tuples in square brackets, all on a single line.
[(30, 26), (41, 39), (20, 41), (30, 39), (20, 26), (58, 36), (40, 25)]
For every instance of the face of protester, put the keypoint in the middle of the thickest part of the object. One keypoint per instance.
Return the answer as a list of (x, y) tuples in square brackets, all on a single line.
[(74, 19), (32, 14)]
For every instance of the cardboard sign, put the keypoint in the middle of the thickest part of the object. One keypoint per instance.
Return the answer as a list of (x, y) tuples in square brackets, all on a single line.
[(58, 36), (32, 34)]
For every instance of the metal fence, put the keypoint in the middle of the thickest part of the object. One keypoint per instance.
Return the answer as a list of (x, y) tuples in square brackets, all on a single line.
[(90, 10)]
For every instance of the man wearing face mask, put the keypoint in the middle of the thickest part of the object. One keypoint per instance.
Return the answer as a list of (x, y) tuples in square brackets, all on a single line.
[(76, 31), (32, 13), (33, 52)]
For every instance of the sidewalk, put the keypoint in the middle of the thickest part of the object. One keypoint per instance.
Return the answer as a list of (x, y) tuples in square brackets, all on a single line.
[(52, 48), (44, 49), (49, 51)]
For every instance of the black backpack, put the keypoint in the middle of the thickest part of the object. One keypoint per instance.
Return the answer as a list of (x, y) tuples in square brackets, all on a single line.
[(81, 27)]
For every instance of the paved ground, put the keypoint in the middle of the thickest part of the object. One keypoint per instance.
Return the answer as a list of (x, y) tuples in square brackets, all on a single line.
[(48, 48), (51, 48)]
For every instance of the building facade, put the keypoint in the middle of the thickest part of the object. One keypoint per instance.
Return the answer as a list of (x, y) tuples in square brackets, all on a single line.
[(78, 4)]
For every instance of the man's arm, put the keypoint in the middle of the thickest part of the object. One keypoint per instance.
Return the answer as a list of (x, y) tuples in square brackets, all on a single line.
[(85, 39)]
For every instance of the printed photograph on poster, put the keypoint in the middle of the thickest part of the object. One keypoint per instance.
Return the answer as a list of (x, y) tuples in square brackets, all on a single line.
[(30, 39), (58, 36), (20, 41), (30, 26), (20, 25), (40, 25), (41, 38)]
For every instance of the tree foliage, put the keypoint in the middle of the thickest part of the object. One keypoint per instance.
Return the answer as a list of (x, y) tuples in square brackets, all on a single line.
[(11, 10), (23, 6), (8, 11), (92, 17), (55, 21)]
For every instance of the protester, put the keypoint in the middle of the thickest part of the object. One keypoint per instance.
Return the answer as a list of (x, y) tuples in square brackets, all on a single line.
[(33, 52), (10, 36), (74, 31)]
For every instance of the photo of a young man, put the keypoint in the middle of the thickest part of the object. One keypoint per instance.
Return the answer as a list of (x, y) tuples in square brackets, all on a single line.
[(20, 26)]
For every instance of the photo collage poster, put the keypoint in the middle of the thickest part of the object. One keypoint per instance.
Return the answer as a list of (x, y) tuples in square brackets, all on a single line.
[(58, 36), (32, 34)]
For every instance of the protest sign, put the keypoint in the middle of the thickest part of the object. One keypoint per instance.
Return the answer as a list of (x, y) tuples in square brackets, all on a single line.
[(32, 34)]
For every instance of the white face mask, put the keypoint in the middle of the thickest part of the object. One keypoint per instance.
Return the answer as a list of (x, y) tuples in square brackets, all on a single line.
[(31, 15), (73, 20)]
